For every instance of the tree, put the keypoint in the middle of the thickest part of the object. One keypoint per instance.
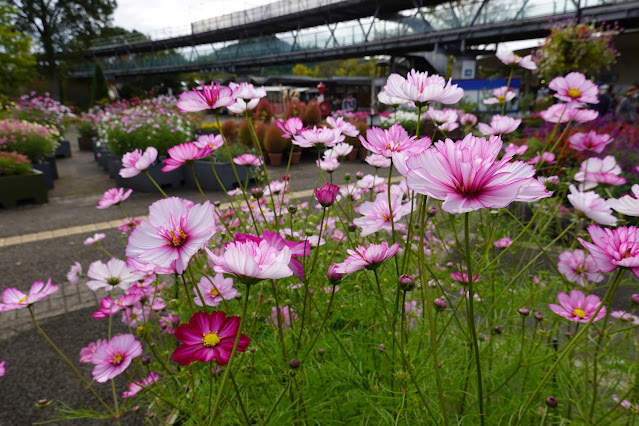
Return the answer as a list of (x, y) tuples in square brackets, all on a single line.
[(62, 26), (99, 89), (18, 64)]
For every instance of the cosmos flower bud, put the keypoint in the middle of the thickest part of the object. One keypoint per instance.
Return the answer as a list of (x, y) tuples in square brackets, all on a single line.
[(257, 193), (551, 401), (406, 282), (359, 175), (145, 359), (352, 227), (347, 177), (327, 194), (440, 304), (523, 312), (292, 209), (217, 203), (497, 329), (294, 363), (333, 276), (538, 316), (635, 298), (382, 347), (320, 351)]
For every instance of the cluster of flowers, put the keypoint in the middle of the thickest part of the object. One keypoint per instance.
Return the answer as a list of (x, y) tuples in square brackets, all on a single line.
[(43, 109)]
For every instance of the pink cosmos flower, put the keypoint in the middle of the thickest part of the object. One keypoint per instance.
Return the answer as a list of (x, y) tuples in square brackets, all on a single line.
[(345, 127), (214, 290), (108, 307), (545, 157), (577, 307), (578, 267), (594, 171), (376, 216), (370, 181), (74, 273), (207, 337), (184, 153), (290, 127), (248, 160), (328, 164), (113, 357), (133, 163), (276, 241), (574, 87), (129, 224), (285, 317), (338, 151), (467, 176), (447, 127), (625, 316), (503, 242), (499, 125), (113, 197), (212, 142), (136, 315), (395, 144), (511, 58), (500, 95), (379, 161), (113, 274), (422, 89), (627, 204), (511, 150), (366, 257), (412, 312), (247, 91), (316, 137), (92, 240), (12, 298), (86, 353), (468, 119), (611, 248), (386, 99), (174, 232), (563, 113), (210, 97), (591, 141), (252, 262), (3, 369), (136, 387), (442, 116), (592, 205), (168, 323), (327, 194), (462, 277)]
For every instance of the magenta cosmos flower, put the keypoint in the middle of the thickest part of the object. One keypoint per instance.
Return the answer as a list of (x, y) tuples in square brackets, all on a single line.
[(248, 160), (207, 337), (592, 205), (175, 231), (591, 141), (12, 298), (210, 97), (366, 257), (500, 95), (499, 125), (136, 387), (462, 277), (577, 307), (327, 194), (184, 153), (290, 127), (214, 290), (113, 357), (611, 248), (212, 142), (422, 89), (627, 204), (467, 176), (511, 58), (376, 216), (112, 197), (317, 137), (133, 163), (394, 143), (575, 87), (578, 267), (503, 242)]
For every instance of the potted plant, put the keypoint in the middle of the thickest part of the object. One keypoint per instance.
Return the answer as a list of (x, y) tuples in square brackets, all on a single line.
[(274, 144), (19, 182), (88, 130), (221, 161)]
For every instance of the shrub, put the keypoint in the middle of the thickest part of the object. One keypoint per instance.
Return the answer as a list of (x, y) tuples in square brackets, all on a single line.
[(229, 130), (87, 126), (263, 112), (244, 134), (312, 115), (30, 139), (12, 163), (354, 140), (295, 109), (274, 142)]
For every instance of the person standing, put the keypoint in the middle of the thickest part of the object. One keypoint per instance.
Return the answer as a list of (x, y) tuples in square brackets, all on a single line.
[(349, 103), (627, 109)]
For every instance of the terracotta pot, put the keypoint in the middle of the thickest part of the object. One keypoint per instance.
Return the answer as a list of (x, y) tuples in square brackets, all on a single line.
[(295, 157), (275, 158), (363, 153), (352, 156)]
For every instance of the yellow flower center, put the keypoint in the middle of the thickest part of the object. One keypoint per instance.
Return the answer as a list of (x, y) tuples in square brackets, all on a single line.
[(579, 313), (117, 359), (574, 93), (134, 315), (210, 339), (21, 301), (177, 239), (140, 329), (214, 292), (501, 97)]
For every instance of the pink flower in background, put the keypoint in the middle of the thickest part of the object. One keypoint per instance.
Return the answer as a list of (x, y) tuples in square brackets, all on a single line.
[(394, 143), (290, 127), (113, 274), (579, 268), (577, 307), (174, 232), (511, 150), (136, 387), (12, 298), (462, 277), (366, 257), (247, 91), (133, 163), (214, 290), (276, 241), (3, 369), (345, 127), (327, 194), (136, 315), (442, 116), (500, 95), (74, 273), (503, 242), (207, 337), (499, 125), (108, 307), (129, 224), (376, 216), (285, 317), (468, 119), (592, 205), (627, 204), (545, 157), (447, 127), (339, 150), (211, 142), (421, 88), (591, 141), (594, 171), (386, 99), (563, 113), (92, 240), (467, 176), (248, 160), (113, 357), (412, 312), (86, 353), (511, 58), (612, 248), (324, 136), (183, 154), (574, 87), (370, 181), (112, 197), (169, 322), (328, 164), (379, 161), (210, 97)]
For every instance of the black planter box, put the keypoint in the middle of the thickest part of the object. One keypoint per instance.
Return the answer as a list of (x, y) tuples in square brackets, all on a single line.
[(20, 189), (106, 159), (113, 167), (64, 149), (142, 183), (207, 179), (85, 143), (48, 170)]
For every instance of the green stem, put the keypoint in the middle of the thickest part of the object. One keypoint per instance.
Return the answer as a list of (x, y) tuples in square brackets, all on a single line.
[(156, 184), (197, 182), (319, 331)]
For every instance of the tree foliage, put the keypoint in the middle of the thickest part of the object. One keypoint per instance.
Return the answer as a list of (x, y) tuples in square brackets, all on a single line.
[(346, 67), (18, 64)]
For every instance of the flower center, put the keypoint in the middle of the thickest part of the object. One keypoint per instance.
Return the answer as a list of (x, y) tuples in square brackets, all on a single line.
[(113, 281), (574, 93), (177, 239), (579, 313), (134, 315), (210, 339), (214, 292), (626, 255), (21, 301), (117, 359), (501, 97)]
